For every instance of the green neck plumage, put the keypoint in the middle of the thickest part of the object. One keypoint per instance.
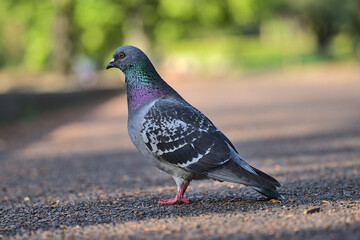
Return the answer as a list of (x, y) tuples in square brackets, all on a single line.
[(143, 85)]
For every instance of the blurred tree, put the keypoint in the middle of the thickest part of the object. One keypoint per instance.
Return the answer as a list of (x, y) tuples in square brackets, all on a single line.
[(248, 15), (43, 34), (98, 26), (354, 24), (64, 35), (25, 30), (325, 17)]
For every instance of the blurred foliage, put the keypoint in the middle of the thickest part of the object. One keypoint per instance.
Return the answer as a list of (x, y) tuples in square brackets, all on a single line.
[(51, 35)]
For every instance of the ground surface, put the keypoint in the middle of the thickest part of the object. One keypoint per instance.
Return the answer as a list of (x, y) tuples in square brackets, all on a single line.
[(75, 174)]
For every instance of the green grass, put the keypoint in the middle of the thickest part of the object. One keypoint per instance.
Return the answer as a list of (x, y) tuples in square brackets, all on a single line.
[(246, 53)]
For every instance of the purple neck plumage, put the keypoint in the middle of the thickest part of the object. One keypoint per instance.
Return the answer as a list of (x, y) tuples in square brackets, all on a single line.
[(144, 84)]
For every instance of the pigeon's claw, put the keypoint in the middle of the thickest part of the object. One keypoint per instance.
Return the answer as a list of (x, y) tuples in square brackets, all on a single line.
[(174, 201)]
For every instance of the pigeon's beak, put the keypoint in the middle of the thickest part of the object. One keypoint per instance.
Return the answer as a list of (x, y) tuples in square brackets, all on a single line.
[(111, 64)]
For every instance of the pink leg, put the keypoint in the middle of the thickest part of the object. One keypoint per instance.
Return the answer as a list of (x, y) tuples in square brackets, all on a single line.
[(179, 196)]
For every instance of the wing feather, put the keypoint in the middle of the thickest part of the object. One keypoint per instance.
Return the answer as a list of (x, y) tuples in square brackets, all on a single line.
[(181, 135)]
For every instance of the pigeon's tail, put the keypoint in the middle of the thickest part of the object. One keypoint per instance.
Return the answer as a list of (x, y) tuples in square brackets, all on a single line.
[(270, 193), (266, 176), (231, 171)]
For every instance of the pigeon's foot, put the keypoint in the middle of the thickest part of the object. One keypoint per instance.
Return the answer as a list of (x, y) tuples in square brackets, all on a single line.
[(179, 198), (174, 201)]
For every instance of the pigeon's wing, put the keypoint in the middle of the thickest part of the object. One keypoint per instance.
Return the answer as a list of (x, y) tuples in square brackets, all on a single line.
[(176, 132)]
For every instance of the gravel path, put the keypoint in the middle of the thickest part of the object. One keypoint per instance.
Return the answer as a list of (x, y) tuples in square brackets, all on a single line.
[(75, 174)]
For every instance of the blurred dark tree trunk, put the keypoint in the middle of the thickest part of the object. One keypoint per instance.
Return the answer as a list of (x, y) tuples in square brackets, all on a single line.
[(325, 18), (64, 48), (324, 31)]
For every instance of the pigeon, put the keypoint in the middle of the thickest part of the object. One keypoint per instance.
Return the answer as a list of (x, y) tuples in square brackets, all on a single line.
[(177, 137)]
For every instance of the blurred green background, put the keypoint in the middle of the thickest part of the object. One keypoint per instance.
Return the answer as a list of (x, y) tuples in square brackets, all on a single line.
[(61, 45)]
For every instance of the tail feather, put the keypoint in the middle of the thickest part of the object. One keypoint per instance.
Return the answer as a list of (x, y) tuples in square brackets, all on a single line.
[(232, 172), (260, 181), (266, 176), (270, 193)]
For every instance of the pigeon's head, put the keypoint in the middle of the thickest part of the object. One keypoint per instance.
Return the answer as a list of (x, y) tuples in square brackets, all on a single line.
[(126, 56)]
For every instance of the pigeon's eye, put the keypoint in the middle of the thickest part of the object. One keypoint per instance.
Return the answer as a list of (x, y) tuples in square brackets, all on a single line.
[(121, 55)]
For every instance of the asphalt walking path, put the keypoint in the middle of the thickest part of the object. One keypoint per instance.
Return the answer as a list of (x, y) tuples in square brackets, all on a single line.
[(74, 174)]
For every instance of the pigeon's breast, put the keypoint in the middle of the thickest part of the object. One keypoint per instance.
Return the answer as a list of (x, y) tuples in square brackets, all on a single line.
[(135, 121)]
